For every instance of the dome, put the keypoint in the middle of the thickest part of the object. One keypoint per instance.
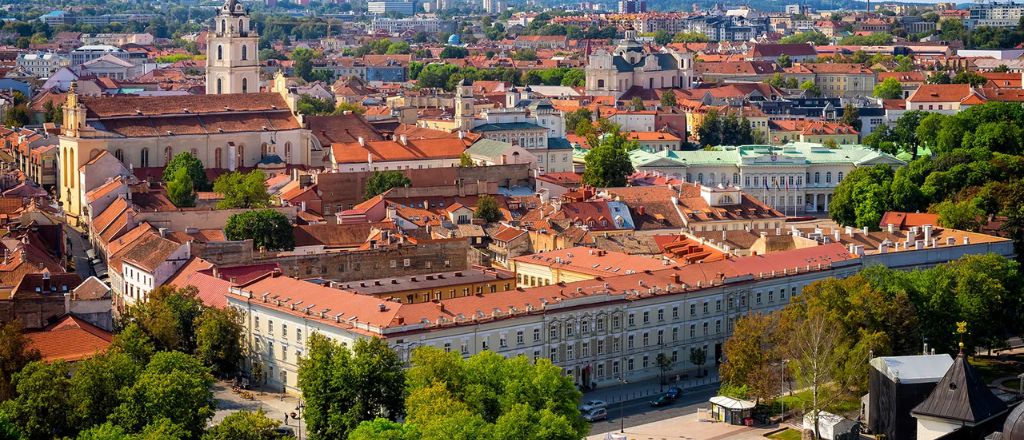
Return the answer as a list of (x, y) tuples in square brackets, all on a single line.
[(454, 39), (1013, 429)]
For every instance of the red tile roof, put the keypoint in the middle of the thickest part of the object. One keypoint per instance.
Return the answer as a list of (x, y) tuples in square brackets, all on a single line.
[(70, 339)]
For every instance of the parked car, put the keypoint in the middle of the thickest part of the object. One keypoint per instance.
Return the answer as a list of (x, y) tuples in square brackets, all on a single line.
[(674, 393), (595, 415), (591, 405), (662, 400)]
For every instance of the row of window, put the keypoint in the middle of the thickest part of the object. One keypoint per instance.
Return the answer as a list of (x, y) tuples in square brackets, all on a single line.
[(266, 149)]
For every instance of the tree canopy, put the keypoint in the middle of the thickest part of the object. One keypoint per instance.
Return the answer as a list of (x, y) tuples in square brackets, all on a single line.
[(381, 181), (268, 229), (242, 190), (608, 164)]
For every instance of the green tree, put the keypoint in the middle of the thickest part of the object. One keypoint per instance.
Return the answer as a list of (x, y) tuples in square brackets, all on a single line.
[(15, 353), (180, 190), (637, 104), (874, 39), (698, 357), (574, 78), (968, 77), (811, 88), (752, 353), (450, 52), (173, 392), (134, 342), (668, 99), (384, 429), (816, 38), (42, 408), (94, 391), (350, 107), (382, 181), (342, 388), (784, 61), (302, 59), (662, 37), (487, 209), (244, 425), (193, 167), (690, 37), (888, 89), (851, 116), (862, 197), (242, 190), (218, 339), (959, 215), (268, 229), (167, 317), (17, 116), (465, 161), (309, 105), (575, 117), (664, 364), (608, 164)]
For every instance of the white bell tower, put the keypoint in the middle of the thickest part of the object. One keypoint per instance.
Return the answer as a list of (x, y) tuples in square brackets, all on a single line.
[(232, 52)]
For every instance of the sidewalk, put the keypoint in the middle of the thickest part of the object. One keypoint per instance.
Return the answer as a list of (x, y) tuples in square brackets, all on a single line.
[(645, 388)]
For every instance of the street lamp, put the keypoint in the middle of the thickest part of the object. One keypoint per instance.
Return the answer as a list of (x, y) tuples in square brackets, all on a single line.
[(622, 404)]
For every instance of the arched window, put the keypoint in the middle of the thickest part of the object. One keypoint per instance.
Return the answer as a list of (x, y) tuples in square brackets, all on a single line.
[(220, 89), (220, 52), (144, 158), (216, 159), (828, 177), (168, 154), (288, 152), (223, 25), (245, 85), (240, 29), (817, 177), (600, 83), (119, 155), (839, 177), (735, 178), (245, 52), (711, 178), (700, 178)]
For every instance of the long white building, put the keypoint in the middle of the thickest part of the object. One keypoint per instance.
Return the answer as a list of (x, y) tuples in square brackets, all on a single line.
[(597, 330)]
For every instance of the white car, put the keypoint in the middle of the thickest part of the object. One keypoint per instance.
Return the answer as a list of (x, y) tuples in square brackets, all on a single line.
[(595, 415), (591, 405)]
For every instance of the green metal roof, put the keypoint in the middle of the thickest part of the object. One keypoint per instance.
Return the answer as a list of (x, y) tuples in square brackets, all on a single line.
[(488, 147), (508, 126)]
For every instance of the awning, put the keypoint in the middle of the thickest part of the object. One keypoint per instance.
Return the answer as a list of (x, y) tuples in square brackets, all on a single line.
[(730, 403)]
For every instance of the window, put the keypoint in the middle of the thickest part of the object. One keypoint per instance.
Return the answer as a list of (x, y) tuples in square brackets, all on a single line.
[(536, 334), (519, 337), (675, 312), (647, 317), (817, 177), (284, 331), (615, 322), (675, 334), (646, 339), (693, 330), (553, 332), (245, 51), (705, 329), (245, 85), (144, 158), (569, 355), (771, 295), (718, 305), (629, 342), (569, 328), (447, 347), (600, 324), (629, 364), (705, 307), (553, 354), (220, 55), (718, 326), (585, 326), (735, 178), (632, 321), (693, 310), (270, 327), (502, 342), (661, 337), (220, 86), (757, 298), (661, 315), (839, 177), (216, 158), (119, 155), (646, 361), (615, 367), (828, 177)]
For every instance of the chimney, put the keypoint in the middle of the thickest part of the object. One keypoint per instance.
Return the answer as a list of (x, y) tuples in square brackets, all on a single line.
[(163, 232), (967, 240), (865, 230), (362, 141), (927, 233), (216, 272), (849, 230), (836, 235), (891, 228), (403, 140), (462, 134)]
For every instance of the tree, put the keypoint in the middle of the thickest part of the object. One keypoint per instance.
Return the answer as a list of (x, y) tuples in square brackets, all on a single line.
[(343, 388), (608, 164), (349, 107), (193, 167), (95, 387), (268, 229), (487, 209), (15, 353), (698, 357), (967, 77), (168, 317), (662, 37), (54, 113), (173, 392), (874, 39), (384, 429), (816, 38), (244, 425), (17, 116), (42, 408), (728, 130), (690, 37), (888, 89), (668, 99), (751, 355), (242, 191), (303, 63), (816, 353), (811, 88), (488, 396), (575, 117), (465, 161), (664, 365), (218, 339), (784, 61), (709, 132), (450, 52), (851, 117), (382, 181), (574, 78), (862, 197), (637, 103), (309, 105), (133, 342), (180, 190)]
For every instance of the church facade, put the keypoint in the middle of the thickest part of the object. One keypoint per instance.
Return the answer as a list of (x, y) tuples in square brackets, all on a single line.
[(631, 64), (232, 127)]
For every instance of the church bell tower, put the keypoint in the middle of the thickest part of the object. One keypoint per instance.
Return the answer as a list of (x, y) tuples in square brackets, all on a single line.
[(232, 52)]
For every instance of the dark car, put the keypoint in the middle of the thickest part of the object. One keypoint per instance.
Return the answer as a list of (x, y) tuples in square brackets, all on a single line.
[(674, 393), (662, 400)]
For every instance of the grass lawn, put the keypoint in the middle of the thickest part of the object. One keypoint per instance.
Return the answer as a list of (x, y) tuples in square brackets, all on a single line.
[(789, 434), (992, 369), (802, 400)]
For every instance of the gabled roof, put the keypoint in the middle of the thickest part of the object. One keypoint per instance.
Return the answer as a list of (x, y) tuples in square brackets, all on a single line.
[(940, 93), (961, 396), (70, 339)]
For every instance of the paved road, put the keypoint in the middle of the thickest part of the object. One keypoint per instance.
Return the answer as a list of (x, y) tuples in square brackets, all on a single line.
[(76, 251), (638, 411)]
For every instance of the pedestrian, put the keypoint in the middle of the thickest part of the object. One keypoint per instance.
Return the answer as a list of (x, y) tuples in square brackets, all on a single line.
[(285, 419)]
